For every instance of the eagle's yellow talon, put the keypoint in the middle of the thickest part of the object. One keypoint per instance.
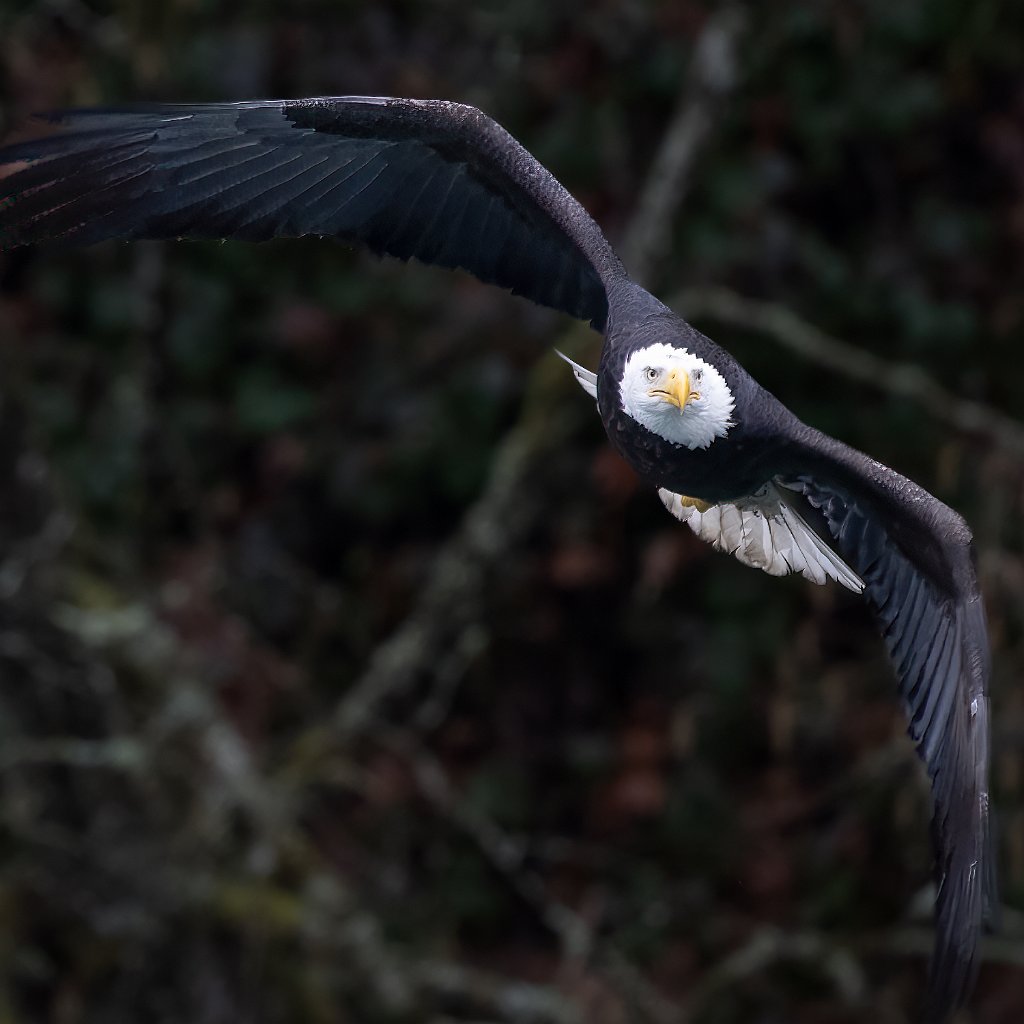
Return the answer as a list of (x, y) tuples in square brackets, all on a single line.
[(700, 506)]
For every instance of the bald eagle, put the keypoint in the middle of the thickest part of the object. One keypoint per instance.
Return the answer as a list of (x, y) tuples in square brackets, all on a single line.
[(443, 183)]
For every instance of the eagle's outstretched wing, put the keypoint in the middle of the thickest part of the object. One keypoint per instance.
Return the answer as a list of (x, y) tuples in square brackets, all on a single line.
[(430, 179), (916, 559)]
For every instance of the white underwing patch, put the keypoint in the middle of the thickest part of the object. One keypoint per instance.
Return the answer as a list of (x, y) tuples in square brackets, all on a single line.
[(587, 378), (765, 532)]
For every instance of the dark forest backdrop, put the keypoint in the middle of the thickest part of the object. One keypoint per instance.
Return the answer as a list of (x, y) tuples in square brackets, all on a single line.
[(346, 675)]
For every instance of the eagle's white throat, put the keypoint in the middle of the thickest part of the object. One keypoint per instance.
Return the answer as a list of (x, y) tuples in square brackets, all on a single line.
[(706, 414)]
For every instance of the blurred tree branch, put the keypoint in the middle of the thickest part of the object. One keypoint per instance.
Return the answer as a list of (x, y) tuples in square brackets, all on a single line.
[(506, 508), (768, 947), (815, 346), (507, 855), (712, 77), (502, 514)]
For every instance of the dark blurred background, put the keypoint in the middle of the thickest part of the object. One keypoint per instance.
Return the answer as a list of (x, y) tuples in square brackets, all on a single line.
[(347, 676)]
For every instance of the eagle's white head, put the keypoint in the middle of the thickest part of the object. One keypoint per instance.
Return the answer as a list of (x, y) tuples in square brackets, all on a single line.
[(676, 395)]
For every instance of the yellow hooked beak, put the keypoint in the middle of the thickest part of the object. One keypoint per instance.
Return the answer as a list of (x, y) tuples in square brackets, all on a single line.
[(674, 388)]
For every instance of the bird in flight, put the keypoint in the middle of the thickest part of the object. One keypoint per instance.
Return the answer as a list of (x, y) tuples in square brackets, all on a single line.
[(442, 182)]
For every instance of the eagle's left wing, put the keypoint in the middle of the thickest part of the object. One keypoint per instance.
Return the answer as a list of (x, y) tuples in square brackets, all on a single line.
[(916, 558)]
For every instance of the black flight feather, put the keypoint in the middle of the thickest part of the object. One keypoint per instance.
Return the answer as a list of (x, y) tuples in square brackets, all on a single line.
[(916, 558), (428, 179)]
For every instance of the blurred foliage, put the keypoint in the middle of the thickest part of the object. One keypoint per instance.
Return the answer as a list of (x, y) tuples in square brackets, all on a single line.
[(227, 470)]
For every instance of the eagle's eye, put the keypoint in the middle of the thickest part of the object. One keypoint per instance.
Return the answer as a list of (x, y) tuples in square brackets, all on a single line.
[(651, 373)]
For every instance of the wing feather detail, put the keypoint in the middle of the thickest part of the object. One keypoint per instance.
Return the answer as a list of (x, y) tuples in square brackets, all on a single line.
[(912, 558), (426, 179), (765, 532), (916, 559)]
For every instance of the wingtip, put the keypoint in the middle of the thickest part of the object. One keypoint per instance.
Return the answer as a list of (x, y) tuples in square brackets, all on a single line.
[(950, 982), (961, 920)]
